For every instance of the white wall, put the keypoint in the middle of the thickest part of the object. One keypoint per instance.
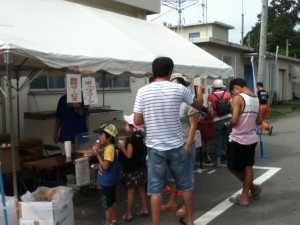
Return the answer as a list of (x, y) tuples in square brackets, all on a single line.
[(134, 8), (119, 100)]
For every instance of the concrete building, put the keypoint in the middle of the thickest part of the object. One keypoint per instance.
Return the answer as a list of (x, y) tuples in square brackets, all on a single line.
[(282, 73)]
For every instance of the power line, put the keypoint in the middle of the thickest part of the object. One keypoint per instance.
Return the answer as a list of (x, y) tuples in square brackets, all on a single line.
[(161, 15)]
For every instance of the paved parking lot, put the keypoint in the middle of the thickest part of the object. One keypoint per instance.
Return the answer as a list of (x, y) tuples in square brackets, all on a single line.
[(277, 171)]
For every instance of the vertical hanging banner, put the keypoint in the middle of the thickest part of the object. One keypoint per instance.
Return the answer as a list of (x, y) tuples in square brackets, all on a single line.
[(89, 91), (74, 88)]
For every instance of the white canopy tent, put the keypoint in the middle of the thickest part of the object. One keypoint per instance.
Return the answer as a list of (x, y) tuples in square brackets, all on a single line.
[(56, 34), (61, 34)]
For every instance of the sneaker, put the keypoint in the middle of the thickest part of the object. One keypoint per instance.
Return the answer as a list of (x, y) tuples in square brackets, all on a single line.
[(270, 130), (237, 200), (255, 194)]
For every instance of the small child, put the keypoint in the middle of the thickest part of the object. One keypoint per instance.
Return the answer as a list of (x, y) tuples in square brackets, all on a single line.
[(134, 166), (108, 170)]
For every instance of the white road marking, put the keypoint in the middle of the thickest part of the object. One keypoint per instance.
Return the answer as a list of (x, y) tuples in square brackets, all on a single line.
[(226, 204), (200, 170), (210, 172)]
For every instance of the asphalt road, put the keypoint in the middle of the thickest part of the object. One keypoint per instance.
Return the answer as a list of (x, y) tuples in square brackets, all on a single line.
[(277, 171)]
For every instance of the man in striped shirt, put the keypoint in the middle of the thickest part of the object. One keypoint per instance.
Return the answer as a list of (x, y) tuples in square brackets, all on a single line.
[(157, 106)]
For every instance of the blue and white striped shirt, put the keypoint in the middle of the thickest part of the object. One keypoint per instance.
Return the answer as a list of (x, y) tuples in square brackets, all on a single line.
[(160, 102)]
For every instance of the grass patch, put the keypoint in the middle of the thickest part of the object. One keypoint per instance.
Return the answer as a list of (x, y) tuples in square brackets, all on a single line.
[(274, 114), (282, 108)]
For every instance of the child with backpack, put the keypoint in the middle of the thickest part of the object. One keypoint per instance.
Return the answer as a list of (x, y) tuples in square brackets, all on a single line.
[(109, 173), (134, 166), (219, 106)]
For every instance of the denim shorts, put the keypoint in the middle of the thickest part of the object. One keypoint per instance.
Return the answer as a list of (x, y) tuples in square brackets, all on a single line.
[(176, 161), (191, 163), (221, 136)]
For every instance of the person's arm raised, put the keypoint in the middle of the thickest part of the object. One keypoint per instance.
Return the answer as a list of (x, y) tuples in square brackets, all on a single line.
[(198, 100)]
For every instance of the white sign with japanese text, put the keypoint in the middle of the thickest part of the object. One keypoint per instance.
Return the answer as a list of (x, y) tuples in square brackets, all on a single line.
[(89, 91), (82, 171), (74, 88)]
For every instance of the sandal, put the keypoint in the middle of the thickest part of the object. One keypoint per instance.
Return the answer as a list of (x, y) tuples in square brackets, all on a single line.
[(237, 200), (165, 208), (127, 217), (142, 213), (181, 212), (255, 194)]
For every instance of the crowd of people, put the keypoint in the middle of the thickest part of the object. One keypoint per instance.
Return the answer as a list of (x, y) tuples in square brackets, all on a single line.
[(165, 114)]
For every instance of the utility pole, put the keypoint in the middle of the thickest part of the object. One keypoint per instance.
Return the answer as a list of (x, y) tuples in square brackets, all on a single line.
[(242, 33), (287, 47), (263, 42), (180, 12), (203, 14)]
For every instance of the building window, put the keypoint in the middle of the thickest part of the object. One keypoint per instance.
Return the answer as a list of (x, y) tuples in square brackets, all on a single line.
[(112, 82), (45, 83), (194, 35)]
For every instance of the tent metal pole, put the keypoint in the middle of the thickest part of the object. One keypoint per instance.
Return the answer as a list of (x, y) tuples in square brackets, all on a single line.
[(103, 91), (8, 59), (18, 108), (3, 106)]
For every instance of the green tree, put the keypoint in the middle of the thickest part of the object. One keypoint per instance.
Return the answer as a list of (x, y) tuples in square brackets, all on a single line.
[(283, 25)]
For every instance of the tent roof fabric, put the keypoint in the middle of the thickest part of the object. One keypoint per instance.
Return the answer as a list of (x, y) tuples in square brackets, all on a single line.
[(60, 34)]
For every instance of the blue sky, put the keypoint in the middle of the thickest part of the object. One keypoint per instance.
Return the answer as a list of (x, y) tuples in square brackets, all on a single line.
[(225, 11)]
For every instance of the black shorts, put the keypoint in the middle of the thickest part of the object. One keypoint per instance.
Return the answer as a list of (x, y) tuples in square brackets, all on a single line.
[(240, 156), (108, 196)]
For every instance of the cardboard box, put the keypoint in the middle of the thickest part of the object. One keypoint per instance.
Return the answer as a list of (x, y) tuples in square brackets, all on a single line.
[(47, 204), (67, 221), (36, 222), (36, 211)]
